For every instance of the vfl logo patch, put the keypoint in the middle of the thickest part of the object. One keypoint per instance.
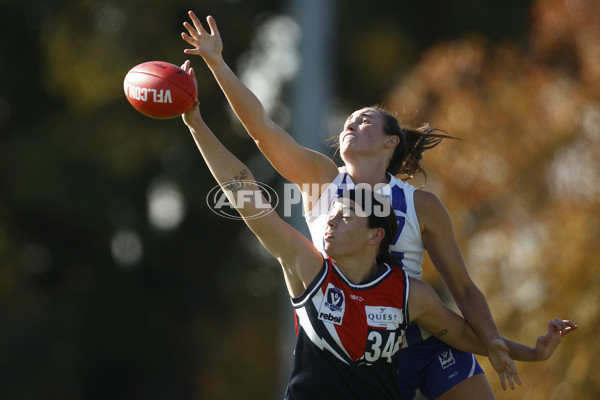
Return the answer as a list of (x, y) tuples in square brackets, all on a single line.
[(446, 358), (333, 305)]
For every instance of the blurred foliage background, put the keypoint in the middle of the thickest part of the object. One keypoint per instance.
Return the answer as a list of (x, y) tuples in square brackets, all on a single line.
[(116, 279)]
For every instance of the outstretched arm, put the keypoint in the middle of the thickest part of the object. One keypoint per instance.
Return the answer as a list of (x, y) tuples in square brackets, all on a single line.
[(427, 310), (295, 163), (442, 247), (300, 260), (545, 345)]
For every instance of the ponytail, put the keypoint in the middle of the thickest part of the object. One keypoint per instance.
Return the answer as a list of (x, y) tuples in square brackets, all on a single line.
[(414, 142)]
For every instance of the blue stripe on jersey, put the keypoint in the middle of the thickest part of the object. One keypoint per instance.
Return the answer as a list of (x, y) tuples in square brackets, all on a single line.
[(398, 199), (398, 204), (343, 185)]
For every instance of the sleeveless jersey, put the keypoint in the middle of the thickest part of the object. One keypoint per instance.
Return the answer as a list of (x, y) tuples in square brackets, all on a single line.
[(407, 246), (421, 353), (348, 336)]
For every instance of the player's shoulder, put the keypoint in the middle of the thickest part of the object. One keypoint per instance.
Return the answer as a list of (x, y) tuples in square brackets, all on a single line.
[(421, 297), (426, 197), (430, 210), (427, 203)]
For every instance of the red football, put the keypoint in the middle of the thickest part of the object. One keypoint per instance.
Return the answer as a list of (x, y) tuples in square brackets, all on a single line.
[(159, 89)]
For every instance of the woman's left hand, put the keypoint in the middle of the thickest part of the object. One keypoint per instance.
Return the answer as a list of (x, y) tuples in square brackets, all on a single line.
[(548, 343), (505, 367)]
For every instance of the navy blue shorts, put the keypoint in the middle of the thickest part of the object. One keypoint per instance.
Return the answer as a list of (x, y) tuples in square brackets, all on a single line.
[(433, 367)]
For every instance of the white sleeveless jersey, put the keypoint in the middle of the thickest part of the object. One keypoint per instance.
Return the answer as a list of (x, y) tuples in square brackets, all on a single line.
[(407, 246)]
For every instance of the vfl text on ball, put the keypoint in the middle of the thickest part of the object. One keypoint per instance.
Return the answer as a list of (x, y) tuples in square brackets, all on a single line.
[(148, 94)]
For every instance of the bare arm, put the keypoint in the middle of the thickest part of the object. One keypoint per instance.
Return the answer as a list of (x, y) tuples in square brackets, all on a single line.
[(295, 163), (442, 247), (545, 345), (300, 260), (427, 310)]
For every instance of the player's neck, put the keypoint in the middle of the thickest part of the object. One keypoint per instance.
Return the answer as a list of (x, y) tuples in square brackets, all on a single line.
[(354, 270), (368, 173)]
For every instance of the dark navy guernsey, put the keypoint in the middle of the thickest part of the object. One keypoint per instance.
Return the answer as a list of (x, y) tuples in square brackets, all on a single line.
[(348, 336)]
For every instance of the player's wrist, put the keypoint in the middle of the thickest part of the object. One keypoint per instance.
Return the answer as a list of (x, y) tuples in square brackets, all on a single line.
[(216, 62), (495, 344)]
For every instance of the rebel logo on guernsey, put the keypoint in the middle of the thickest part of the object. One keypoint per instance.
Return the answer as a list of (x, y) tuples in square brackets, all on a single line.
[(389, 318), (149, 94), (333, 305)]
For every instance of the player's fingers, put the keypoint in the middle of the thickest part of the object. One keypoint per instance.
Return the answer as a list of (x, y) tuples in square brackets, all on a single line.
[(190, 41), (513, 369), (188, 38), (502, 380), (193, 32), (517, 379), (568, 326), (193, 52), (555, 324), (510, 382), (213, 25), (560, 327), (196, 22)]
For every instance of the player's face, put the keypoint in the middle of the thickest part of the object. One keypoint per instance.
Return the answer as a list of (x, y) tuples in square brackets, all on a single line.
[(363, 132), (346, 231)]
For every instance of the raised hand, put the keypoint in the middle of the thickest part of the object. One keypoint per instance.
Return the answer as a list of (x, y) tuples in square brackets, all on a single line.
[(548, 343), (206, 45), (192, 117)]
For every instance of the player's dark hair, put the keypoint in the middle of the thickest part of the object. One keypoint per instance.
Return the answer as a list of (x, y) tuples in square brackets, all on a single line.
[(373, 204), (414, 142)]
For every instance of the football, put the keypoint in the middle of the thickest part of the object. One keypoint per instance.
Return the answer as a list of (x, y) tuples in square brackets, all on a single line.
[(159, 89)]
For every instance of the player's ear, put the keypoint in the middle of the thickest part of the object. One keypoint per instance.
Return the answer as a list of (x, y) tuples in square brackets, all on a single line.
[(392, 141), (376, 235)]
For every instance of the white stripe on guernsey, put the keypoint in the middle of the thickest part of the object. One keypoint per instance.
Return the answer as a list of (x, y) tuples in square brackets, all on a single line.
[(320, 343), (317, 301), (366, 285), (307, 296), (472, 366), (405, 306)]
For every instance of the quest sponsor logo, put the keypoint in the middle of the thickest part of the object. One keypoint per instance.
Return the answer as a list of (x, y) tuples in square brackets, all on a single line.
[(389, 318)]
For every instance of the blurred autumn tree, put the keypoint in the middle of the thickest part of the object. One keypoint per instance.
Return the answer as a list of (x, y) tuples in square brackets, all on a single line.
[(524, 189), (100, 297)]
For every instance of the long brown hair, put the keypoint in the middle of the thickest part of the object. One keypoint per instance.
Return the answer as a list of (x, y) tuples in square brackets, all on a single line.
[(414, 142)]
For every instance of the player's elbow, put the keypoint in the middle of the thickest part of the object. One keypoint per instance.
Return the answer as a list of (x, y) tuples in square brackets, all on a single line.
[(259, 126)]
